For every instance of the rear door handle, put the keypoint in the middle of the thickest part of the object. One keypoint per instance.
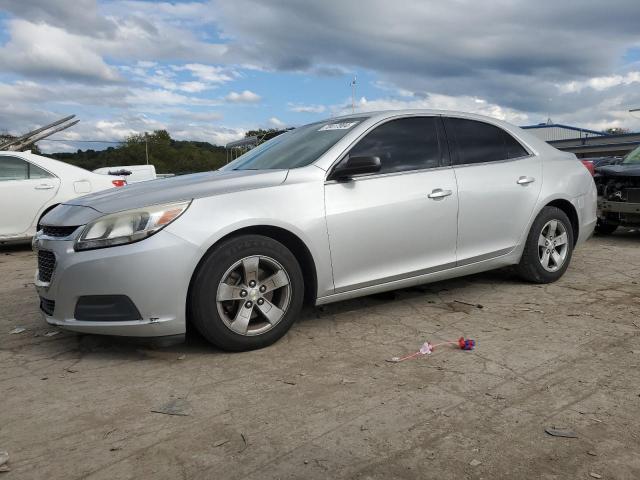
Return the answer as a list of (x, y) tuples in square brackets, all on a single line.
[(525, 180), (439, 193), (44, 186)]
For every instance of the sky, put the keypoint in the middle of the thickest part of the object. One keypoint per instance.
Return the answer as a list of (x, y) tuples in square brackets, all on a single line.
[(211, 70)]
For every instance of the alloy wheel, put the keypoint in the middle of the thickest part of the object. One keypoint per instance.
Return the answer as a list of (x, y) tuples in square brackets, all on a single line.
[(553, 245), (254, 295)]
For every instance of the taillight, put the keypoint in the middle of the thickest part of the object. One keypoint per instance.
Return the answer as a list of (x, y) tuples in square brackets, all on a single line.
[(589, 166), (119, 183)]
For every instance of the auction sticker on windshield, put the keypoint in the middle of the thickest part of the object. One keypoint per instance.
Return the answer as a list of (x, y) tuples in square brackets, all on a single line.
[(338, 126)]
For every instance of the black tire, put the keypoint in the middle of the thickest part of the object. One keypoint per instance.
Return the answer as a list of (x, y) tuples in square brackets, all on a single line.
[(603, 227), (203, 305), (530, 267)]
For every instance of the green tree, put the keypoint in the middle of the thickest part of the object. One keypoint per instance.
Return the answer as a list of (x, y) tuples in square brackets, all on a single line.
[(166, 154), (616, 131)]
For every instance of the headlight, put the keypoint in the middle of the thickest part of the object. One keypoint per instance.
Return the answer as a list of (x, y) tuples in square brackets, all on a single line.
[(128, 226)]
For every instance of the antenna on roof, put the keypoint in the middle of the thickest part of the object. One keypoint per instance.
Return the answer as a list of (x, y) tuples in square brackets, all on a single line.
[(353, 93)]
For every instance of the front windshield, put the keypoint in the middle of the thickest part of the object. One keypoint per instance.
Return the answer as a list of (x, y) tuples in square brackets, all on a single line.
[(296, 148), (632, 157)]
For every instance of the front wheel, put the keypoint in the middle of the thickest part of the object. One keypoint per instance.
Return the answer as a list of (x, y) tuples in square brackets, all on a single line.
[(549, 247), (246, 293)]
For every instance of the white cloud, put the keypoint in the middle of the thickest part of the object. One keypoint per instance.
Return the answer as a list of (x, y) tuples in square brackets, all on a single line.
[(388, 87), (47, 146), (190, 117), (276, 122), (600, 83), (209, 73), (193, 87), (435, 102), (106, 59), (302, 108), (207, 77), (160, 97), (246, 96), (43, 50)]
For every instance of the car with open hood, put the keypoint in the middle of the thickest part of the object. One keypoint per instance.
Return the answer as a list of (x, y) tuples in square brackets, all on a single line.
[(619, 193)]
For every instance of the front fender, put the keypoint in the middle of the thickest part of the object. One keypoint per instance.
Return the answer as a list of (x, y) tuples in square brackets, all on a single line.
[(297, 208)]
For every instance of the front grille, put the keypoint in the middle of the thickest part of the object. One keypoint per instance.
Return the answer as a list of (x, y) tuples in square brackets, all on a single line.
[(58, 232), (633, 195), (47, 306), (46, 265)]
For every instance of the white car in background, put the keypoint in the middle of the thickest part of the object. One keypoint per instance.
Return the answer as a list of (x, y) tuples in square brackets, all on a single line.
[(132, 173), (31, 185)]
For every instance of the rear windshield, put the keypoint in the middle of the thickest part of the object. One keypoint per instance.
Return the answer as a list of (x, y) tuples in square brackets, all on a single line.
[(296, 148)]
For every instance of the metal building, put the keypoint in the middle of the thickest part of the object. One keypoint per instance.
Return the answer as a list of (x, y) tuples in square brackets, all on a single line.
[(551, 132), (583, 142)]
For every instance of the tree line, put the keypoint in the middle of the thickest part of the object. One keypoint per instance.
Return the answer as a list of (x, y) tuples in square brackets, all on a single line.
[(168, 155)]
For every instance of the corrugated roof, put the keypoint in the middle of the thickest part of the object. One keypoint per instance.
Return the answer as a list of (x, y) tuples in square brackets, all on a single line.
[(567, 127)]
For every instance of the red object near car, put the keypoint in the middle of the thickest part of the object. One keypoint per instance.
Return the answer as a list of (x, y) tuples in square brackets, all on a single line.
[(589, 165)]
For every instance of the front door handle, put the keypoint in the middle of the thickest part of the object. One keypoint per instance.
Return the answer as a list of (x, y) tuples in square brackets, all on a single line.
[(525, 180), (439, 193)]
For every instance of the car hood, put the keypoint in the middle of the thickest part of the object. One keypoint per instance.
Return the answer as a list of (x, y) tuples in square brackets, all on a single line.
[(622, 170), (81, 210)]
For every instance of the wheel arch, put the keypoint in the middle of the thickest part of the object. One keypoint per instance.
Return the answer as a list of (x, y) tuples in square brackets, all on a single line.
[(567, 207), (290, 240)]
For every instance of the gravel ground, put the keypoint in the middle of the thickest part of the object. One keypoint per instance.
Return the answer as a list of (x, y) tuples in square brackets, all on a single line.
[(324, 403)]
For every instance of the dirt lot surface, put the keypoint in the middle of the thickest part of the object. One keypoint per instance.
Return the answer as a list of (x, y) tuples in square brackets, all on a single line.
[(324, 403)]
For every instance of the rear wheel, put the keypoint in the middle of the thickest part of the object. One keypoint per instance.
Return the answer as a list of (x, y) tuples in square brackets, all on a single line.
[(549, 247), (247, 293)]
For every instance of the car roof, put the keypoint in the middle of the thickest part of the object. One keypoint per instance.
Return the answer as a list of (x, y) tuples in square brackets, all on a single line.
[(377, 115), (51, 164), (412, 111)]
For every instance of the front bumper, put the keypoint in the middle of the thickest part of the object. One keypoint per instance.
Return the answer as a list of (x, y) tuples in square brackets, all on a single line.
[(626, 214), (153, 273), (607, 206)]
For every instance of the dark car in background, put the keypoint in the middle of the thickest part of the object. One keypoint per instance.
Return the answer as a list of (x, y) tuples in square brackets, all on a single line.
[(618, 186)]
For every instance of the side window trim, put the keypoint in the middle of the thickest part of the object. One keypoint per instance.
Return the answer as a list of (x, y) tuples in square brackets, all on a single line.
[(30, 164), (444, 150), (453, 143), (450, 141)]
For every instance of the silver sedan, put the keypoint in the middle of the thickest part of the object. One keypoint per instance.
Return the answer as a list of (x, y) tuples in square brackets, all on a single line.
[(325, 212)]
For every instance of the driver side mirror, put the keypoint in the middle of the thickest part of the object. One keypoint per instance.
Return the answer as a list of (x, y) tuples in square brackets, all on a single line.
[(351, 166)]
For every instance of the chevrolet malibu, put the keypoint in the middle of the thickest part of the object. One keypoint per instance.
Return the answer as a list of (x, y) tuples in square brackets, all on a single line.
[(326, 212)]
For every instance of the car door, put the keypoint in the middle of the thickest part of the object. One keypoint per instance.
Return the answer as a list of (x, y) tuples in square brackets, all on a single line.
[(400, 222), (25, 188), (499, 182)]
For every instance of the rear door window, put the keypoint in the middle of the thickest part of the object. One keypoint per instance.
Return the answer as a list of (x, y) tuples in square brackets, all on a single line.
[(37, 172), (480, 142), (403, 144), (13, 168)]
